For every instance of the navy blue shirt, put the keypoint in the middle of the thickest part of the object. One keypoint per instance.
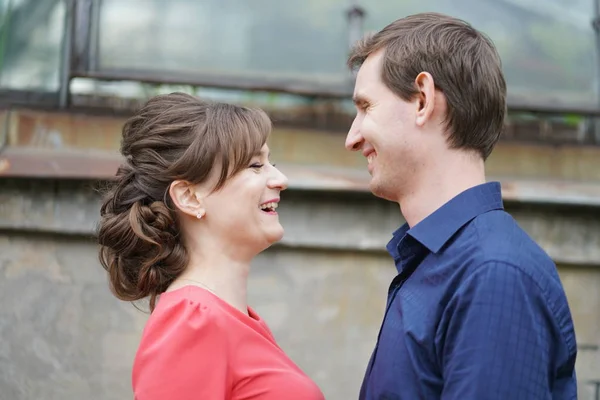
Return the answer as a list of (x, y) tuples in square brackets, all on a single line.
[(477, 311)]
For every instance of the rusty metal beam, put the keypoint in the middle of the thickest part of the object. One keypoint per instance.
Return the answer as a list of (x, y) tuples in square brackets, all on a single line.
[(67, 130), (325, 115), (24, 162), (18, 162)]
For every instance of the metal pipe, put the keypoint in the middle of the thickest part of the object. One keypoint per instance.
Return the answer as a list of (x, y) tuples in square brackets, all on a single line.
[(356, 16), (67, 50), (4, 34), (341, 91), (596, 26), (94, 48), (595, 123), (4, 133), (284, 85), (82, 26)]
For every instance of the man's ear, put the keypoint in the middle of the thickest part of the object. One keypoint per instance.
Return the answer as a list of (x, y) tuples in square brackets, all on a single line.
[(425, 98), (185, 199)]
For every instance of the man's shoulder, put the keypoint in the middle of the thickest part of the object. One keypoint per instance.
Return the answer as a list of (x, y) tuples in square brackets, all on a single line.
[(503, 255), (494, 239), (496, 236)]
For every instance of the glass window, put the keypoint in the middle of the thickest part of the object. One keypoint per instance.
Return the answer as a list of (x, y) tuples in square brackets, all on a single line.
[(31, 35), (304, 40), (548, 48)]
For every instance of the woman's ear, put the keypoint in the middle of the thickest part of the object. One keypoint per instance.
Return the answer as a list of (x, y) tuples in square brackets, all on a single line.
[(185, 199)]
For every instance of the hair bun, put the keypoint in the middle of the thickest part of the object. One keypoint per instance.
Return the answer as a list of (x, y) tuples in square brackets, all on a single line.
[(152, 223)]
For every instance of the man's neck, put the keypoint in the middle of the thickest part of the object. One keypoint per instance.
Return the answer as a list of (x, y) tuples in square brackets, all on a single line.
[(439, 185)]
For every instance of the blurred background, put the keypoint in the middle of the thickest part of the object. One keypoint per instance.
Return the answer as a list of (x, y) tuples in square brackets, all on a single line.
[(71, 71)]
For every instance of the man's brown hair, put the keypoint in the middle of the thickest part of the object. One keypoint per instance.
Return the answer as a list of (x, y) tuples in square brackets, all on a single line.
[(465, 67)]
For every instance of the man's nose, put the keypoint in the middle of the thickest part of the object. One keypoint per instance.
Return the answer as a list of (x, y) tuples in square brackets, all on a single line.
[(354, 139)]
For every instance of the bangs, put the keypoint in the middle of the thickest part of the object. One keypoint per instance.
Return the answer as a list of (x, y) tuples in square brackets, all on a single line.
[(223, 142), (244, 131)]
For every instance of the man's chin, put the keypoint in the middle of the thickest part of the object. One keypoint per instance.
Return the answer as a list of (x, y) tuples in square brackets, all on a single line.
[(379, 190)]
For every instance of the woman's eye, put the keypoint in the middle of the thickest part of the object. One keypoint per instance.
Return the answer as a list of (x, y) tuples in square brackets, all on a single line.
[(256, 166)]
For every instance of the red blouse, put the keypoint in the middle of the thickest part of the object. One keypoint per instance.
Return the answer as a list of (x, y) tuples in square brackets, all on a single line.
[(197, 346)]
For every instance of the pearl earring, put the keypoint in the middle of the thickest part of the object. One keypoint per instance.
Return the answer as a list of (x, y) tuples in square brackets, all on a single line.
[(199, 216)]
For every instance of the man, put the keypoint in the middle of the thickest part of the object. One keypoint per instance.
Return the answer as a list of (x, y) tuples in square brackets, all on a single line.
[(477, 310)]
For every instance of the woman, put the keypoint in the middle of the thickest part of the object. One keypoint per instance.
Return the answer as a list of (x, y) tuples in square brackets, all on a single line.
[(193, 204)]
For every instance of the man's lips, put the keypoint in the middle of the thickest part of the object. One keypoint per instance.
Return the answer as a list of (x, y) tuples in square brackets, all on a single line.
[(370, 156)]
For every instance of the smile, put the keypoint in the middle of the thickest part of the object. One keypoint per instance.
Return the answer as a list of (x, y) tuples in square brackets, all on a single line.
[(269, 207)]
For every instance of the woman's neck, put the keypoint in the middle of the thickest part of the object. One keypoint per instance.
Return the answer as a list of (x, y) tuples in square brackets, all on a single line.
[(224, 277)]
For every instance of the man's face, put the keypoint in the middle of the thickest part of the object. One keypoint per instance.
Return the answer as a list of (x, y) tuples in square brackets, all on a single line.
[(384, 129)]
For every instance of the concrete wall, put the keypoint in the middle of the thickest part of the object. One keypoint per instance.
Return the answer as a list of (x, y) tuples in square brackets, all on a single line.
[(63, 336)]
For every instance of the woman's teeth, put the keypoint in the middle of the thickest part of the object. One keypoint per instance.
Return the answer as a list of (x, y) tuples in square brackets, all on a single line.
[(269, 206)]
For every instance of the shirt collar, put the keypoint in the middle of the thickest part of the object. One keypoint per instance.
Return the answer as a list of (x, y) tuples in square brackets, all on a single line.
[(393, 246), (435, 230)]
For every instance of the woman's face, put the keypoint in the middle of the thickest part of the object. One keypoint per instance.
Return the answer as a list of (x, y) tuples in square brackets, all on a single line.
[(243, 212)]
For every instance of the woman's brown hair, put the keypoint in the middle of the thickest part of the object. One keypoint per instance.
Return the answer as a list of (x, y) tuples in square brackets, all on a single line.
[(172, 137)]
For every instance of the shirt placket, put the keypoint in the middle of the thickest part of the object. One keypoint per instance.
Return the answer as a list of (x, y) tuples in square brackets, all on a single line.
[(408, 260)]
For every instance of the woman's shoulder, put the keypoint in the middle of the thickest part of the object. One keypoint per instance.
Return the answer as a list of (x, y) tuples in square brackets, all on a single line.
[(183, 312), (183, 330)]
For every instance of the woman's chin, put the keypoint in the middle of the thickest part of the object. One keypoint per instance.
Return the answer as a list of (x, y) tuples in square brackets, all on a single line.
[(275, 235)]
